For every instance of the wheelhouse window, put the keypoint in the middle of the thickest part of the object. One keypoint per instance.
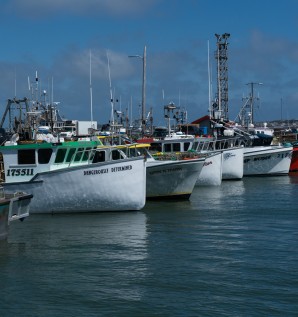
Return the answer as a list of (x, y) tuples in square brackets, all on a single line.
[(44, 156), (100, 156), (132, 152), (186, 146), (116, 155), (86, 154), (60, 155), (176, 147), (155, 147), (168, 147), (92, 154), (26, 157), (79, 155), (70, 155)]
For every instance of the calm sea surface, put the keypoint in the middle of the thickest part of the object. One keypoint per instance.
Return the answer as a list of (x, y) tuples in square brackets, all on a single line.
[(229, 251)]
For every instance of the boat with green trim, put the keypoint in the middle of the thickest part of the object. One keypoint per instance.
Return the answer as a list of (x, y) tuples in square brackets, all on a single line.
[(75, 176)]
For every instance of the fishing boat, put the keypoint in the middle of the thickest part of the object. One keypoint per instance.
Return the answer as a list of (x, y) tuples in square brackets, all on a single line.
[(232, 153), (167, 176), (80, 175), (211, 174), (172, 179), (267, 160), (75, 176), (176, 142), (260, 156), (294, 161), (225, 156), (12, 207)]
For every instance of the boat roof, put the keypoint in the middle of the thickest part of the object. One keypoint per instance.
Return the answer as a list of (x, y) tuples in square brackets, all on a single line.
[(134, 145), (45, 145)]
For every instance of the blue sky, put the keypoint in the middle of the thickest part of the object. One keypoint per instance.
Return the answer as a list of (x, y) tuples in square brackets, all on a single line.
[(55, 38)]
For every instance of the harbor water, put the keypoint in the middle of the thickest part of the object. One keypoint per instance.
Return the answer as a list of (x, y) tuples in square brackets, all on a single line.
[(230, 250)]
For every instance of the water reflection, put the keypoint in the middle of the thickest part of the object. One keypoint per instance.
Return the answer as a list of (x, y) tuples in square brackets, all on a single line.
[(228, 196), (236, 243), (293, 179), (104, 252)]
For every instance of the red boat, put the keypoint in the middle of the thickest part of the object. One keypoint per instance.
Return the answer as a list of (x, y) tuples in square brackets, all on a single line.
[(294, 162)]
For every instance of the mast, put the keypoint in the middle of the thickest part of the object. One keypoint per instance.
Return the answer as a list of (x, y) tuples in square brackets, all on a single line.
[(15, 83), (209, 83), (52, 107), (143, 114), (36, 87), (131, 110), (111, 92), (251, 102), (144, 93), (91, 97)]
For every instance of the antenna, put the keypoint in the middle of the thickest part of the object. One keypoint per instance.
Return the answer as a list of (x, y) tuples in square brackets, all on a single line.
[(15, 82), (111, 93), (36, 88), (29, 85), (91, 101), (209, 81), (130, 110), (52, 102)]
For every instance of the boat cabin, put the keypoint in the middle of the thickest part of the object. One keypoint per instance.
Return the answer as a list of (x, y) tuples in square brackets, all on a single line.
[(172, 145), (23, 161)]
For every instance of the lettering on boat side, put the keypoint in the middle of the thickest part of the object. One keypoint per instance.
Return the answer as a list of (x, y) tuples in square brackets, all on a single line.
[(262, 158), (228, 155), (282, 155), (106, 170), (20, 172), (93, 172), (207, 163), (121, 168), (168, 170)]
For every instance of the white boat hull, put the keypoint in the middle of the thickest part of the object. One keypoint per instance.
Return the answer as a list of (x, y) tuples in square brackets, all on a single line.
[(172, 179), (267, 160), (232, 164), (107, 186), (211, 174)]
